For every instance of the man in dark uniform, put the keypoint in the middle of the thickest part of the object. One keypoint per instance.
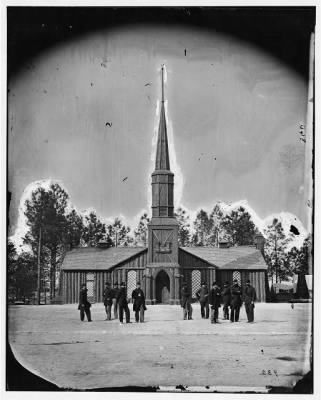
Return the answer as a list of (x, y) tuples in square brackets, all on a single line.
[(236, 301), (202, 295), (249, 297), (114, 296), (186, 302), (226, 298), (139, 303), (84, 305), (214, 299), (108, 300), (123, 303)]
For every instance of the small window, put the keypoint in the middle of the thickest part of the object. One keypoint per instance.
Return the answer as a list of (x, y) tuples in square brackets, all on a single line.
[(196, 281), (237, 275), (90, 283), (131, 283)]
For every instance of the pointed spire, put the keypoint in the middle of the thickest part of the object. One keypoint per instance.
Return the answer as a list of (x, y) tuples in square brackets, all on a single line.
[(162, 155), (162, 83)]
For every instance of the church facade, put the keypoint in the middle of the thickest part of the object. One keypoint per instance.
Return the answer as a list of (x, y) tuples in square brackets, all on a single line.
[(163, 265)]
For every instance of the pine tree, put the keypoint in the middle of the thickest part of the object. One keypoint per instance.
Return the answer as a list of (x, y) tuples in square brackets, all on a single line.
[(184, 234), (203, 226), (12, 257), (195, 240), (119, 233), (239, 227), (141, 232), (25, 276), (275, 252), (217, 229), (74, 229), (306, 256), (45, 214), (298, 259), (94, 230)]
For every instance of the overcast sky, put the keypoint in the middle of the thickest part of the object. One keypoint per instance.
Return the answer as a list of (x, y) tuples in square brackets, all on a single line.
[(233, 112)]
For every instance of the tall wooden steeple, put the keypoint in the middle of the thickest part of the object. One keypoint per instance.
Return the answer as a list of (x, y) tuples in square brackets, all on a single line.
[(163, 227), (162, 177)]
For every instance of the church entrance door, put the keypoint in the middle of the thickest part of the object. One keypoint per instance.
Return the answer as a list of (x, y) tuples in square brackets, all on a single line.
[(162, 288)]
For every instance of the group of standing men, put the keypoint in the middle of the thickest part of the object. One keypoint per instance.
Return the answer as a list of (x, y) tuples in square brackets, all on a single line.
[(118, 298), (115, 297), (231, 296)]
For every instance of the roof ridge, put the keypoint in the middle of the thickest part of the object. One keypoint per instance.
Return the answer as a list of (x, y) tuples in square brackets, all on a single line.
[(102, 259), (225, 259), (108, 248)]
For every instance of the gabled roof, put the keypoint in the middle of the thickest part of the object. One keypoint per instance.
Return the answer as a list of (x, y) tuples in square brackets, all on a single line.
[(236, 258), (92, 258)]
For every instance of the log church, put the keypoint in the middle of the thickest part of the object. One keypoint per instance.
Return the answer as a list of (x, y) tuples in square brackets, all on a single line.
[(163, 266)]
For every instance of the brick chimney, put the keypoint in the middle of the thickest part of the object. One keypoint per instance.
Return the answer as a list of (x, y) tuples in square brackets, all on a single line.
[(223, 244), (102, 244)]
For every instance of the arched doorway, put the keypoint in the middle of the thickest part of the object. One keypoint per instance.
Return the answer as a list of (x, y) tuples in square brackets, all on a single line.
[(162, 288)]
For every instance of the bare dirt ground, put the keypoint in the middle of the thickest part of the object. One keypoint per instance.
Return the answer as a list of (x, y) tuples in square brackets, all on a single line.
[(53, 343)]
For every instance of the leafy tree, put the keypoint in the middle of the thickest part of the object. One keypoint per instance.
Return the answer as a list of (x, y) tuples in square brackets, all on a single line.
[(184, 234), (141, 232), (239, 227), (119, 233), (275, 252)]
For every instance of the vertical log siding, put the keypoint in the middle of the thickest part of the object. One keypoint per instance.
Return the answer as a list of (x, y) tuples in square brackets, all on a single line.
[(72, 280)]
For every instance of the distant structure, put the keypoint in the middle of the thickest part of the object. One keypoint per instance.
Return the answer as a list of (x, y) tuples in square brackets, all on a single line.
[(163, 266)]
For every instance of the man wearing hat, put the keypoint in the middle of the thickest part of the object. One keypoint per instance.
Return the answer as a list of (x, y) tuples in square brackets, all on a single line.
[(249, 297), (186, 302), (139, 303), (236, 301), (202, 295), (214, 299), (226, 299), (115, 302), (84, 305), (123, 304), (108, 300)]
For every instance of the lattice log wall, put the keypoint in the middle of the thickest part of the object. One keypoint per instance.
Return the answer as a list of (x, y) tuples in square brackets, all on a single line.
[(131, 283)]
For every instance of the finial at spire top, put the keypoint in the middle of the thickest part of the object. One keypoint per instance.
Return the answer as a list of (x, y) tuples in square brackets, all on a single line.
[(162, 83)]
